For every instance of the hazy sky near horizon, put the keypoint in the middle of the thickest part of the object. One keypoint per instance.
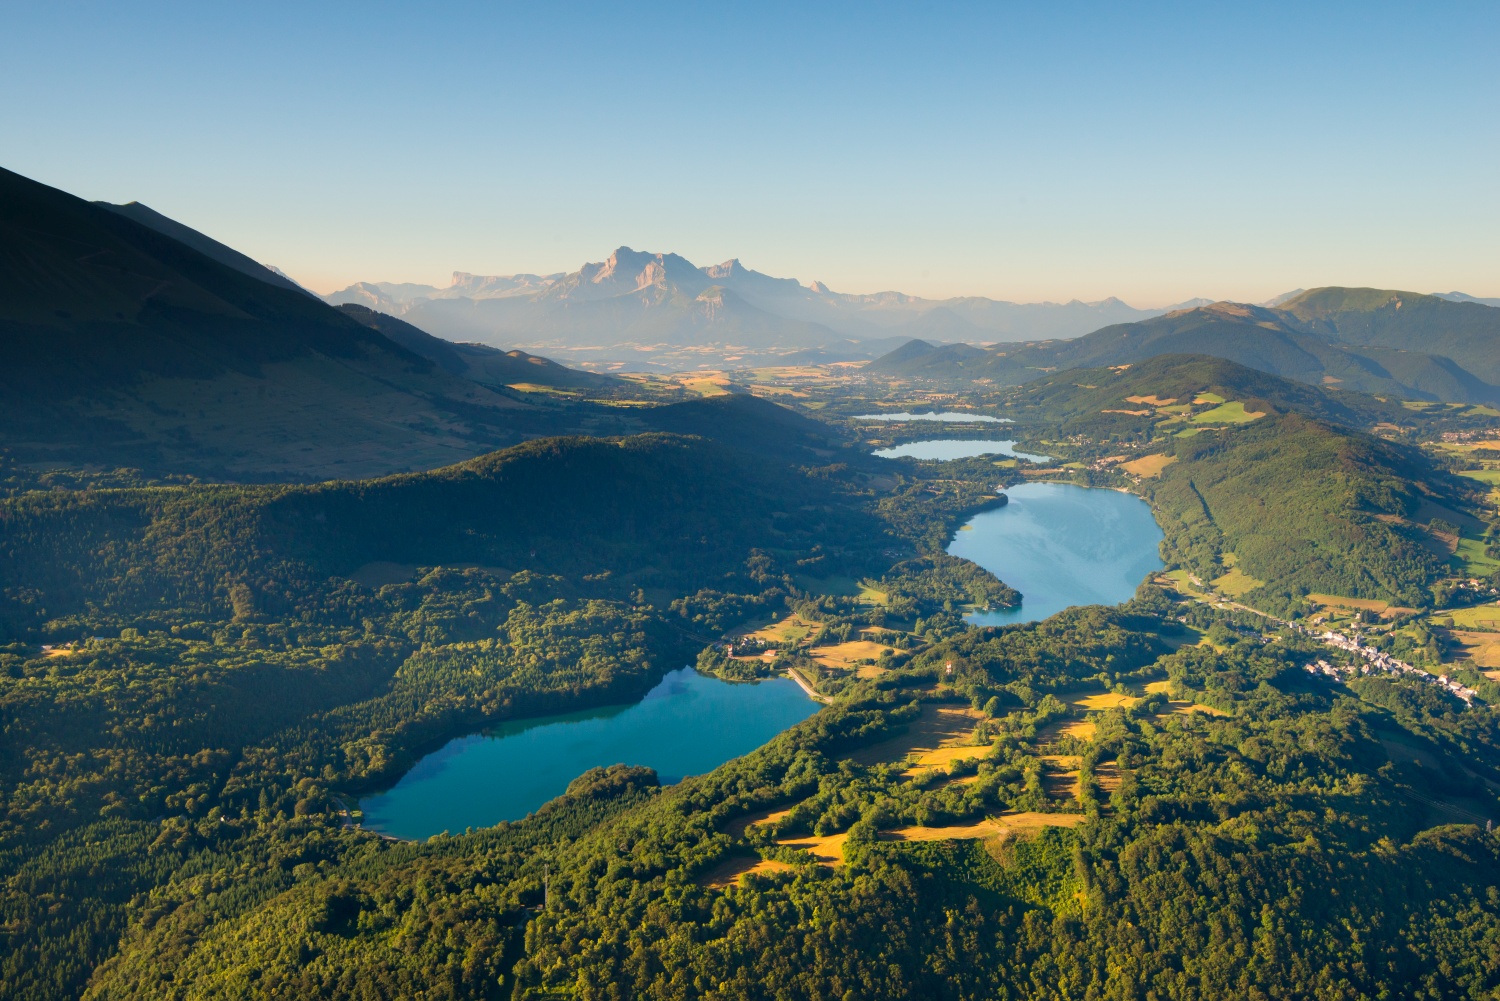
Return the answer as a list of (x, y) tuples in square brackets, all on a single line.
[(1018, 151)]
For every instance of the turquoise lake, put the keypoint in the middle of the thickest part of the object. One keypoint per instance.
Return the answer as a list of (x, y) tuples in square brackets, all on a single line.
[(955, 448), (687, 725), (1062, 545)]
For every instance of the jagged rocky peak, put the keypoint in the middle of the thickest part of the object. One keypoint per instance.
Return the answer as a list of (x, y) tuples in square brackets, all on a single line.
[(731, 268)]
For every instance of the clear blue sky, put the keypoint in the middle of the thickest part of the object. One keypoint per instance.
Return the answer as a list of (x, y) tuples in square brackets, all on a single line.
[(1021, 151)]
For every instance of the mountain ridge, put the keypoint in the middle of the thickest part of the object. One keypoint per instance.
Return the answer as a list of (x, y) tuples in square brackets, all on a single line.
[(665, 297), (1371, 340), (120, 343)]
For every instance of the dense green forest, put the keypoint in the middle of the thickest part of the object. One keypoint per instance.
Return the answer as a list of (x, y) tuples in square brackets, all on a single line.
[(1273, 851), (232, 666)]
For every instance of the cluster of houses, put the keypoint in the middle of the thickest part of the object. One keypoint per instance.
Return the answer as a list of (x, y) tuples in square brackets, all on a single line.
[(1379, 662)]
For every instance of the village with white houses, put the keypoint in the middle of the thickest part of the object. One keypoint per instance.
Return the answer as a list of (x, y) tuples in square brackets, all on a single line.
[(1379, 662)]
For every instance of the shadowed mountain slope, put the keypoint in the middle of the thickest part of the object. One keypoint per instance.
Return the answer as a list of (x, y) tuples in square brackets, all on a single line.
[(205, 245), (120, 344), (479, 362), (749, 424)]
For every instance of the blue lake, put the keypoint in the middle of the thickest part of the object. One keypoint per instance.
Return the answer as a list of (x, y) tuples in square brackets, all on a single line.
[(1062, 545), (687, 725), (955, 448)]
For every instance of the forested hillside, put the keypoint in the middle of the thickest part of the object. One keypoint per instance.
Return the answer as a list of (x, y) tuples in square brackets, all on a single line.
[(1303, 506), (1374, 341)]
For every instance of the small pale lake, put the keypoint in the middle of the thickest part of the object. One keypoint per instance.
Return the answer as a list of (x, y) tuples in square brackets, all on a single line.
[(1062, 545), (951, 416), (942, 449), (687, 725)]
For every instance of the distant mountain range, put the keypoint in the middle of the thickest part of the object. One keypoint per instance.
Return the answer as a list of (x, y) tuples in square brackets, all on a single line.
[(1414, 346), (645, 303)]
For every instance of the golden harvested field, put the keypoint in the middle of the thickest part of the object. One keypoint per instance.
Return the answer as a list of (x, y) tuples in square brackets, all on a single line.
[(827, 850), (988, 828), (737, 827), (1082, 729), (532, 387), (1101, 700), (942, 757), (1148, 466), (729, 872), (1184, 708), (1153, 400), (1062, 778), (1334, 601), (937, 727), (843, 655), (1107, 776), (1178, 705), (1482, 648)]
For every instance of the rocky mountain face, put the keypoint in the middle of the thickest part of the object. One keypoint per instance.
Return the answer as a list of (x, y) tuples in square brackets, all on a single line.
[(642, 305)]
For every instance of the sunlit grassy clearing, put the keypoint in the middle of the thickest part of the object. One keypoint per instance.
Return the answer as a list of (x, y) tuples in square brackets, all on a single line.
[(1229, 413), (1479, 617), (1148, 466), (1472, 560), (847, 655), (1236, 583)]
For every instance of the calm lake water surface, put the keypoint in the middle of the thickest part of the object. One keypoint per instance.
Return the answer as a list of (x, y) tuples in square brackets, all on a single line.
[(947, 415), (687, 725), (1061, 545), (955, 448)]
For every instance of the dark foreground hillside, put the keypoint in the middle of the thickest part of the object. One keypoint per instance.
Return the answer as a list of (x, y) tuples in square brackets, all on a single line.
[(121, 346)]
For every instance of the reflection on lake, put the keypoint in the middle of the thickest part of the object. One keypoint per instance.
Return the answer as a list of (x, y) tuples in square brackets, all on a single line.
[(955, 448), (947, 415), (1062, 545), (687, 725)]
